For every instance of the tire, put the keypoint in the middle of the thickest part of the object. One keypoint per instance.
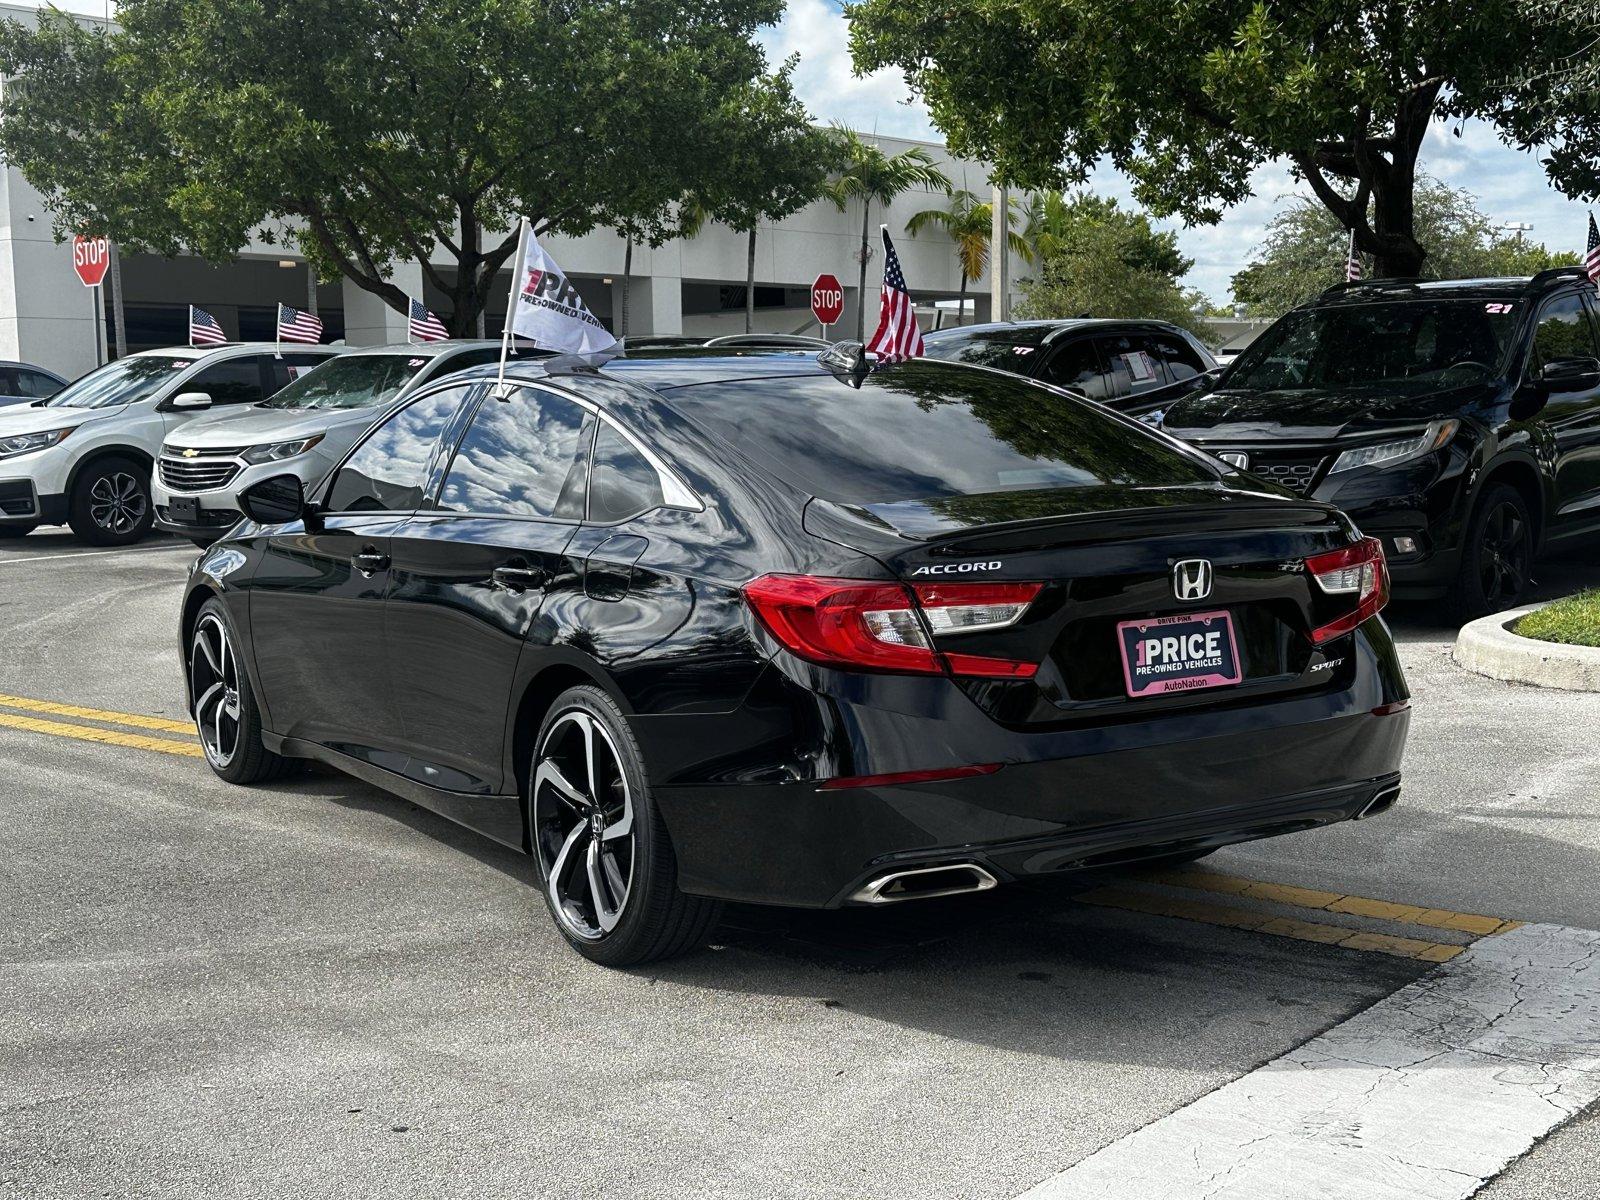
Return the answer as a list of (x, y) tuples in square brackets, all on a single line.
[(229, 721), (647, 917), (15, 531), (110, 503), (1497, 557)]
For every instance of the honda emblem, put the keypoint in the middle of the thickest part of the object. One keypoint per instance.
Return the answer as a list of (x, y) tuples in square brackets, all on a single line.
[(1191, 579), (1235, 458)]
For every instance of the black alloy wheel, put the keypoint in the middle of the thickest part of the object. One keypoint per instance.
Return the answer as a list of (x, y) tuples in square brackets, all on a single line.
[(1497, 561), (604, 858), (110, 503), (225, 714)]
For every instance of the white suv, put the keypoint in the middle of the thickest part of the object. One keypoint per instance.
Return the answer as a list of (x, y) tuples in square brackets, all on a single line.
[(83, 457)]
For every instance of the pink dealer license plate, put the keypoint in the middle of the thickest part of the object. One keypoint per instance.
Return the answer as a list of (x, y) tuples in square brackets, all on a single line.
[(1178, 654)]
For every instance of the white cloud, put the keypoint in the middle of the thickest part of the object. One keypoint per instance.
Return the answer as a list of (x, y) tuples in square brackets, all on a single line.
[(1510, 185)]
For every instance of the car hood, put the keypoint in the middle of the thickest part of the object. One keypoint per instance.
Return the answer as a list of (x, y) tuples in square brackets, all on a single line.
[(1312, 414), (255, 425), (25, 418)]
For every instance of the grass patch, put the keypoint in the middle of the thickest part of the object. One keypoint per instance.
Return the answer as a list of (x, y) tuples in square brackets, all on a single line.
[(1575, 621)]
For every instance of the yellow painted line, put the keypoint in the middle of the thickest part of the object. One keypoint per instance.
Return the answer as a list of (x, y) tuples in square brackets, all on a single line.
[(111, 737), (1359, 906), (1239, 918), (133, 720)]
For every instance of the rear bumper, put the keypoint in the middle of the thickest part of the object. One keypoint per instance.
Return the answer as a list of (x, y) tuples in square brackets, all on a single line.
[(1062, 801)]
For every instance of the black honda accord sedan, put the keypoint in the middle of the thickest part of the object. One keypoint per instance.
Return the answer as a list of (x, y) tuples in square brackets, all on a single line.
[(689, 627)]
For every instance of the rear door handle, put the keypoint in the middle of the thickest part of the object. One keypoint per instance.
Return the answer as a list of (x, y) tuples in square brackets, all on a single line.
[(370, 561), (519, 579)]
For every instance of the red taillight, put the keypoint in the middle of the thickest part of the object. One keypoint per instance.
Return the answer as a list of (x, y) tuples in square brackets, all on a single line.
[(1357, 571), (868, 626), (902, 778)]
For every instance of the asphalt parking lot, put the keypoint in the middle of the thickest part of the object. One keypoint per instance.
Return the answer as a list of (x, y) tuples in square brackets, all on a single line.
[(312, 988)]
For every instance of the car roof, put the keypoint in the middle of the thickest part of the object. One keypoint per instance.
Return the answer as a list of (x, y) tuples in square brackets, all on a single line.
[(196, 353), (429, 349), (659, 369), (1367, 291), (1044, 331)]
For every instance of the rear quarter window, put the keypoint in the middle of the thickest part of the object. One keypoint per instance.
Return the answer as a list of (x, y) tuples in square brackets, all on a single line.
[(923, 430)]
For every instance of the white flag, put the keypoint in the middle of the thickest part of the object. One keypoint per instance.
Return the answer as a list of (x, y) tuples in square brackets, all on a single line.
[(549, 311)]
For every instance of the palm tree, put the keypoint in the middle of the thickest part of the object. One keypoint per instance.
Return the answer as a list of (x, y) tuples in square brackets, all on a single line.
[(869, 174), (970, 224)]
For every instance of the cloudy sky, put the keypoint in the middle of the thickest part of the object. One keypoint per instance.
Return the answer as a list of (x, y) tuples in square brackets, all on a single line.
[(1509, 186)]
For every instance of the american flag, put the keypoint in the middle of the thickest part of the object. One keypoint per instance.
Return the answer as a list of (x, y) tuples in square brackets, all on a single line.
[(423, 326), (898, 335), (1591, 254), (203, 329), (1352, 261), (297, 326)]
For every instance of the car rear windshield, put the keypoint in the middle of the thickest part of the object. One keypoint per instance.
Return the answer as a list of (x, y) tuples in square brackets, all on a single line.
[(1406, 345), (125, 381), (1005, 349), (352, 381), (924, 430)]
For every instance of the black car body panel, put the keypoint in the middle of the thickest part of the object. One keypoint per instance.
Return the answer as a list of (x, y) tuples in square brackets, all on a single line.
[(389, 644), (1507, 427)]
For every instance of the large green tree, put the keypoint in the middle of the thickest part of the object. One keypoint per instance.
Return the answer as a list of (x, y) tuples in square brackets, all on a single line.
[(1305, 248), (1188, 99), (969, 223), (376, 130), (1095, 258), (870, 175)]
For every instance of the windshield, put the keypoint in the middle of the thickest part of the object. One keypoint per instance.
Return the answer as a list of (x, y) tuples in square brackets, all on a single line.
[(1403, 345), (353, 381), (123, 382), (1006, 349)]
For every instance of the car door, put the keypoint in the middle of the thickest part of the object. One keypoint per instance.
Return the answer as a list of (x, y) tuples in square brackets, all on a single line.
[(471, 572), (229, 382), (1566, 330), (317, 593)]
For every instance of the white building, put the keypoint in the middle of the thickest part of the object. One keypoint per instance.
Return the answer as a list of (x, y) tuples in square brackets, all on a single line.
[(693, 286)]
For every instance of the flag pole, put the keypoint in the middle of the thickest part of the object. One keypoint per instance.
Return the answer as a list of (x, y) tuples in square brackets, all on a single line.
[(511, 308), (277, 333)]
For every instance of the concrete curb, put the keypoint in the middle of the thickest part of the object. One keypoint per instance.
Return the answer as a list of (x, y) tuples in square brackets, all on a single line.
[(1488, 647)]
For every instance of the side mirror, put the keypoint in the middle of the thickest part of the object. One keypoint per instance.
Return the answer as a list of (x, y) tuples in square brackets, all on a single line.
[(275, 501), (1575, 374), (190, 401)]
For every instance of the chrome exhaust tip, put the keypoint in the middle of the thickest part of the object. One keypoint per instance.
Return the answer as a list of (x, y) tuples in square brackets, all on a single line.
[(1381, 803), (925, 883)]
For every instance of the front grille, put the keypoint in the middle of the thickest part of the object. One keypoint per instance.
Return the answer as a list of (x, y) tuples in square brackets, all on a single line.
[(16, 498), (1298, 472), (197, 474)]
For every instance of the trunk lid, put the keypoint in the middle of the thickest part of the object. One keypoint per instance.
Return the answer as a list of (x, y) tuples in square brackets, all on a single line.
[(1107, 556)]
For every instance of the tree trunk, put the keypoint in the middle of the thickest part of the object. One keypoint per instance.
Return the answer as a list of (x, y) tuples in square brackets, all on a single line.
[(627, 269), (861, 290), (750, 284), (961, 313), (118, 314)]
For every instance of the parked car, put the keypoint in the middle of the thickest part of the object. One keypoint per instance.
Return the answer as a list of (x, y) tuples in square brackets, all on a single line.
[(83, 457), (23, 383), (1459, 421), (747, 341), (779, 628), (1136, 367), (304, 429)]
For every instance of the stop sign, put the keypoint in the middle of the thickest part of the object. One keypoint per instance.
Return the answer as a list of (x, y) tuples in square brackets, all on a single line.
[(827, 299), (90, 258)]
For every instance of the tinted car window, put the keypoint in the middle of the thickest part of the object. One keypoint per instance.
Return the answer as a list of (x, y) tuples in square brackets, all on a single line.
[(389, 470), (622, 483), (1177, 356), (125, 381), (517, 458), (233, 381), (1405, 345), (1134, 364), (1007, 349), (33, 383), (1563, 332), (920, 430), (353, 381), (1077, 366)]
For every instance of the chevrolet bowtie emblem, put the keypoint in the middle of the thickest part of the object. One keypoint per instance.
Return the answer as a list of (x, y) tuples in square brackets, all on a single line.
[(191, 453)]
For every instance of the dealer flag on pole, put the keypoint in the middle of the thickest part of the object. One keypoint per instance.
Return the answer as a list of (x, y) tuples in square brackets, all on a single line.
[(898, 336), (548, 310)]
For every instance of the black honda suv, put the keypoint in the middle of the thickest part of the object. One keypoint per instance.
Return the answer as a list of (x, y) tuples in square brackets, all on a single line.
[(1458, 421)]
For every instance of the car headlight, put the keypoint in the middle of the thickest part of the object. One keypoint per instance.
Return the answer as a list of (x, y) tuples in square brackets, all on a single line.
[(278, 451), (26, 443), (1387, 453)]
